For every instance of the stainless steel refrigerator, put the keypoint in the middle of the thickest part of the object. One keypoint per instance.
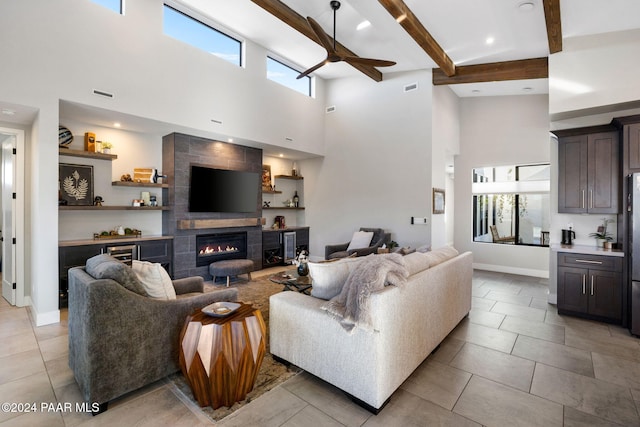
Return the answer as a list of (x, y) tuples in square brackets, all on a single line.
[(634, 241)]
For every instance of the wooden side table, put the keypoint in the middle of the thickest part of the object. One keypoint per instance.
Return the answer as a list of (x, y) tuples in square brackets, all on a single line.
[(220, 356)]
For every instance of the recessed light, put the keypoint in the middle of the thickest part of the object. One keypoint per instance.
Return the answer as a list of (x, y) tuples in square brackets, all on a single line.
[(8, 112), (363, 25), (490, 40), (527, 89), (230, 139), (526, 6), (116, 124), (475, 91)]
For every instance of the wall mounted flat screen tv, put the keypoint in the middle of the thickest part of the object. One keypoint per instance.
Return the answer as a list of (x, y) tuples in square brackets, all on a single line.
[(220, 190)]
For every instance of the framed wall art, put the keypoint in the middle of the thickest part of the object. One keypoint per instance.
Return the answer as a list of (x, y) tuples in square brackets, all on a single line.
[(75, 183), (438, 201)]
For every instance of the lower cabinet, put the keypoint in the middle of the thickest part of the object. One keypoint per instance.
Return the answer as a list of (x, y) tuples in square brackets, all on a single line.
[(590, 286), (156, 250), (273, 245)]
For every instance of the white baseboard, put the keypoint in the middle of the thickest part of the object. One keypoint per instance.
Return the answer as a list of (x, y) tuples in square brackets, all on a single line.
[(47, 318), (512, 270)]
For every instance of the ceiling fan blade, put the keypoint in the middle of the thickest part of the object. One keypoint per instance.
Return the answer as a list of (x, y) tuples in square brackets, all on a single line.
[(323, 38), (311, 70), (368, 61)]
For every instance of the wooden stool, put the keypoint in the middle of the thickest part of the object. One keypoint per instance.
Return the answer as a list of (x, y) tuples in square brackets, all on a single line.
[(231, 267), (220, 357)]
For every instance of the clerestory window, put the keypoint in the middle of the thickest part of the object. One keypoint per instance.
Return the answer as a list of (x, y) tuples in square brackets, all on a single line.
[(188, 29), (115, 5), (287, 76)]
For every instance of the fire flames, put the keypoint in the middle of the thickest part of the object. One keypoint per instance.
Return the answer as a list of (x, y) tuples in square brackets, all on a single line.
[(211, 250)]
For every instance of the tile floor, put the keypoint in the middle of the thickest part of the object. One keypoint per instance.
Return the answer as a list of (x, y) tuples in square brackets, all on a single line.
[(513, 362)]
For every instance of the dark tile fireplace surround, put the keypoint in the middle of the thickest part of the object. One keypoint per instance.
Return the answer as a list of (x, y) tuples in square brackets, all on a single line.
[(179, 152)]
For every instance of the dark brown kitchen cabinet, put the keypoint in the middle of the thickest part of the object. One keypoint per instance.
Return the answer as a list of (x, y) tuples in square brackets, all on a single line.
[(588, 171), (590, 286), (632, 147)]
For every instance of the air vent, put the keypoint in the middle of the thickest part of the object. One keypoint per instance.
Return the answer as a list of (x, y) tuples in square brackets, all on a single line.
[(102, 93), (330, 109), (410, 87), (218, 122), (288, 138)]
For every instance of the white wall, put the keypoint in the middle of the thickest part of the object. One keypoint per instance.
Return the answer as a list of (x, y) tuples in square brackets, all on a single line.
[(446, 145), (68, 48), (603, 71), (377, 166), (499, 131)]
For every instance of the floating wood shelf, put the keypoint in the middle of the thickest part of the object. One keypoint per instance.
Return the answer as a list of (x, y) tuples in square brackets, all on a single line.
[(114, 208), (196, 224), (284, 207), (138, 184), (86, 154), (271, 192), (297, 177)]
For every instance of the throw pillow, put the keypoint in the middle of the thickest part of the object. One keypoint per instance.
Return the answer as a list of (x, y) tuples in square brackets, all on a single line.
[(360, 239), (423, 248), (329, 277), (105, 266), (440, 255), (416, 262), (155, 279)]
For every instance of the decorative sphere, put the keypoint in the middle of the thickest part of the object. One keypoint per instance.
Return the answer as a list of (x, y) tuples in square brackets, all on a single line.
[(65, 137)]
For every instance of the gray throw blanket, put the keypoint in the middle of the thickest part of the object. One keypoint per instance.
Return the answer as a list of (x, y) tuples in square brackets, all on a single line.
[(351, 306)]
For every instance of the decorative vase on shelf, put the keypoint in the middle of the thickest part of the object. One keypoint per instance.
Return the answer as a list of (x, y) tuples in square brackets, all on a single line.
[(600, 243), (303, 268)]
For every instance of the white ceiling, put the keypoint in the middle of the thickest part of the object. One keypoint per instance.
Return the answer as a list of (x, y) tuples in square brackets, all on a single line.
[(460, 26)]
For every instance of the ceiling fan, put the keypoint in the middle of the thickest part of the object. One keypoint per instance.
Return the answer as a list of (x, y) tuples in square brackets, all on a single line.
[(332, 53)]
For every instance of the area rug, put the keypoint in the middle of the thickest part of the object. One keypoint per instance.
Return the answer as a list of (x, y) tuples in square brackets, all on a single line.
[(272, 373)]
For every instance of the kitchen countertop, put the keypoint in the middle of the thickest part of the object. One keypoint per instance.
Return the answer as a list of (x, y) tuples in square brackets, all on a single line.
[(584, 249)]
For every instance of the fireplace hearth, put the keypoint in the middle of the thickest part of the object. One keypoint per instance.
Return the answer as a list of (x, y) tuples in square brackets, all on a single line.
[(217, 247)]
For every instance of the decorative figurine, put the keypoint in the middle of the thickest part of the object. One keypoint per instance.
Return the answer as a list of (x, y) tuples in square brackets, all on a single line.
[(266, 204), (97, 201)]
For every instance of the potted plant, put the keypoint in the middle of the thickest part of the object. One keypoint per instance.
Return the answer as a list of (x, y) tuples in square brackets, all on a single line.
[(106, 147), (602, 236)]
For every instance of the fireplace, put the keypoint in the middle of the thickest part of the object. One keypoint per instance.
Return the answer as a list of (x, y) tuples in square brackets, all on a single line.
[(217, 247)]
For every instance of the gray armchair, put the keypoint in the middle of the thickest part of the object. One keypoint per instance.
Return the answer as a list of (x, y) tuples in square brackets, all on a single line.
[(119, 340), (340, 250)]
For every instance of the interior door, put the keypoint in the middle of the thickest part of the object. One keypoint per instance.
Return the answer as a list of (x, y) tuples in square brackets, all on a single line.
[(7, 175)]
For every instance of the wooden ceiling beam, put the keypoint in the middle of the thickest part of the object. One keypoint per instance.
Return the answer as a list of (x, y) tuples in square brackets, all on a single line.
[(524, 69), (300, 24), (412, 25), (554, 25)]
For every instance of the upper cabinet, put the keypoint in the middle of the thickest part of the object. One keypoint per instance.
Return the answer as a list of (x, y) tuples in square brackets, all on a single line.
[(588, 170)]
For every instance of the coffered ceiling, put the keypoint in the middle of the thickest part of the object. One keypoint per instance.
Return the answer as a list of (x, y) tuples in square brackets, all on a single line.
[(468, 33)]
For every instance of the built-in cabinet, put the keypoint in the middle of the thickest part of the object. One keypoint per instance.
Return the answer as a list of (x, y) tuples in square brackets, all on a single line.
[(590, 286), (76, 253), (588, 170), (275, 243)]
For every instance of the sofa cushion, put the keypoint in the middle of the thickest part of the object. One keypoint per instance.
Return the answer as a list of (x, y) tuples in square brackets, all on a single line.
[(105, 266), (155, 279), (329, 277), (417, 262), (360, 239), (440, 255)]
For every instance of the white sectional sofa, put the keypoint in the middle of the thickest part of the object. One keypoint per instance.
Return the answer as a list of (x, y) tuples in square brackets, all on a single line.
[(409, 322)]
